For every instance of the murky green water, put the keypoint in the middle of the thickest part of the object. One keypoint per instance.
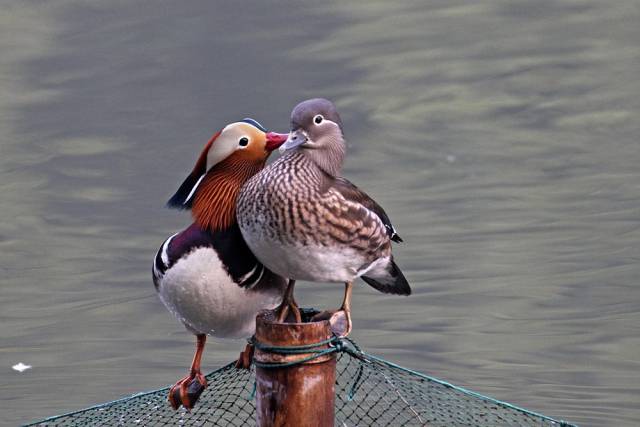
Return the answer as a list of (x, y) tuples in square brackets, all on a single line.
[(502, 138)]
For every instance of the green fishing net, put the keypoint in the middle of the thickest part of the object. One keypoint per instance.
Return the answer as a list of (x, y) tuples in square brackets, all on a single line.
[(369, 392)]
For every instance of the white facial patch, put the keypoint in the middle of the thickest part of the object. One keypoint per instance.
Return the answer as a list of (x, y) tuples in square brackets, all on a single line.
[(227, 142)]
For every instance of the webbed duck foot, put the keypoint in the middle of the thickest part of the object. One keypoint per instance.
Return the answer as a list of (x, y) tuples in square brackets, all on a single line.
[(187, 391), (339, 321)]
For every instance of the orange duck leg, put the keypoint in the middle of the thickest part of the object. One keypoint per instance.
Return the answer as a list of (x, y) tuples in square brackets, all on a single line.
[(187, 390)]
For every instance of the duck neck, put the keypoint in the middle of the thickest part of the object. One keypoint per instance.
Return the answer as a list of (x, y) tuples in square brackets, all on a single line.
[(330, 157), (214, 205)]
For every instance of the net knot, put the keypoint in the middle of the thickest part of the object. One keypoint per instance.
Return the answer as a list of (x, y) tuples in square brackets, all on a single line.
[(311, 351), (339, 344)]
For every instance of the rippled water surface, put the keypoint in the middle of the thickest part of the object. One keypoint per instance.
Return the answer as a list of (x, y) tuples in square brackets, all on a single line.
[(501, 137)]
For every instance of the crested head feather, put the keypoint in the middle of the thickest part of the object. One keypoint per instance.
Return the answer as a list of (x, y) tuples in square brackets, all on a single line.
[(254, 123), (218, 150), (183, 198)]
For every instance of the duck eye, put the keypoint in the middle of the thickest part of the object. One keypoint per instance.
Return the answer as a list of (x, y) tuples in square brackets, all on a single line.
[(318, 119), (244, 141)]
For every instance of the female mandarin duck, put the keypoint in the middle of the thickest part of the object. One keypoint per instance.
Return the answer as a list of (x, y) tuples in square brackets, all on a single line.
[(305, 222), (206, 275)]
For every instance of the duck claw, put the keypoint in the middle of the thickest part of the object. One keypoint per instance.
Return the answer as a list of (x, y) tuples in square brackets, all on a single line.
[(187, 391)]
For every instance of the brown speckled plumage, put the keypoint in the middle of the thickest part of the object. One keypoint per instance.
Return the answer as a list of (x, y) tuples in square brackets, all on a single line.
[(301, 204), (304, 221)]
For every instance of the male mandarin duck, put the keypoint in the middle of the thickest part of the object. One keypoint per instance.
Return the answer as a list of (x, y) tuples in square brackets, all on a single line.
[(303, 221), (206, 275)]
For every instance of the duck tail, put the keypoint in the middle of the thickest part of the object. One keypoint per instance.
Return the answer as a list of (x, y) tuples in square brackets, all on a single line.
[(392, 281)]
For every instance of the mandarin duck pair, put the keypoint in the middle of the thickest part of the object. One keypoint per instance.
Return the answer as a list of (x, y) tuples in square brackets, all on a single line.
[(259, 229)]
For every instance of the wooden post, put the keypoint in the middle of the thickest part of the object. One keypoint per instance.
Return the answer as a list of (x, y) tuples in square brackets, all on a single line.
[(301, 395)]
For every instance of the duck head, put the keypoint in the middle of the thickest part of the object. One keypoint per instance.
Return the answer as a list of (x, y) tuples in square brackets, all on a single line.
[(316, 130), (228, 160)]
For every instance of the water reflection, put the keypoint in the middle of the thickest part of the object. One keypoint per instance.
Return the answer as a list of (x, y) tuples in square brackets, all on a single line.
[(501, 138)]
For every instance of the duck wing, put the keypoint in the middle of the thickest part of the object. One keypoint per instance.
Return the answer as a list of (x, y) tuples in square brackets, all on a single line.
[(350, 192)]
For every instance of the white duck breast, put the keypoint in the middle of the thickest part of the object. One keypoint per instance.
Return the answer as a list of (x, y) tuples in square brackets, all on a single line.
[(312, 262), (200, 290)]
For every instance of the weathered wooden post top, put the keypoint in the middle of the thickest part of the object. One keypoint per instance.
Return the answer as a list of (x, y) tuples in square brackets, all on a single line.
[(295, 373)]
